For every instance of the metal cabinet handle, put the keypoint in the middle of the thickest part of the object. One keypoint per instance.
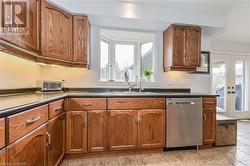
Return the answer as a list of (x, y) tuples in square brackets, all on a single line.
[(84, 121), (48, 139), (86, 104), (205, 116), (28, 122), (59, 109)]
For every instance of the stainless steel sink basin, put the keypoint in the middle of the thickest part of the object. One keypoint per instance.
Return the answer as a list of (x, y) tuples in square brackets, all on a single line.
[(133, 93)]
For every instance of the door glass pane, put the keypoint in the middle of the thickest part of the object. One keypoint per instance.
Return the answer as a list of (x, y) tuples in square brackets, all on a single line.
[(239, 85), (124, 60), (219, 83), (104, 65)]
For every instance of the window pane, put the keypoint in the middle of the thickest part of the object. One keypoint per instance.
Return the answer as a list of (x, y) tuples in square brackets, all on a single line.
[(124, 58), (219, 84), (239, 85), (104, 73), (147, 56)]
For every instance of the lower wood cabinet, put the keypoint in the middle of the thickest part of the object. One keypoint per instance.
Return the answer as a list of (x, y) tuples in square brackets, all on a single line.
[(97, 130), (122, 129), (3, 157), (209, 126), (56, 145), (151, 129), (76, 138), (30, 149)]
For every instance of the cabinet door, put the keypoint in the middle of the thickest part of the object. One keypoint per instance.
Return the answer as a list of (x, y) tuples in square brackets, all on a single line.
[(192, 47), (30, 149), (209, 125), (178, 46), (29, 38), (56, 32), (76, 132), (3, 157), (97, 130), (151, 130), (122, 129), (81, 39), (56, 147)]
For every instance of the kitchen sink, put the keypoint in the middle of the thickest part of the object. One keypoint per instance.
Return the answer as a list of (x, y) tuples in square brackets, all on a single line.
[(133, 93)]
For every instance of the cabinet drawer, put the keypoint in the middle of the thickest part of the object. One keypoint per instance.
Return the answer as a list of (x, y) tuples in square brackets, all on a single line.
[(136, 103), (2, 132), (87, 103), (209, 102), (55, 108), (22, 123)]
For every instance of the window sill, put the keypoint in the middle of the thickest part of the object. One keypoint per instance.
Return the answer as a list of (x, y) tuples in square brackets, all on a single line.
[(124, 84)]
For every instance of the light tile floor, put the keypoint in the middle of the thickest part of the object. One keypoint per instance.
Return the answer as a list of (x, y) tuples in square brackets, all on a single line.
[(223, 156)]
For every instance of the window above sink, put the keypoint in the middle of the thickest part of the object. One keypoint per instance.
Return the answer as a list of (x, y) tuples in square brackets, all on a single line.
[(126, 50)]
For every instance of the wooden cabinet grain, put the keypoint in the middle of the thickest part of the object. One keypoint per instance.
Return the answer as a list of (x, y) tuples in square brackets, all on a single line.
[(76, 138), (30, 149), (81, 39), (56, 32), (122, 129), (2, 133), (56, 146), (97, 130), (3, 157), (209, 125), (30, 39), (181, 48), (151, 129)]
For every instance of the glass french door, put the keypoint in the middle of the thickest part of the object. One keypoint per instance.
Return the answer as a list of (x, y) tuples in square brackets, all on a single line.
[(231, 81)]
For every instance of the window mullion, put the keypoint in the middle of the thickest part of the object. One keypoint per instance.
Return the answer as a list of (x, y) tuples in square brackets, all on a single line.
[(111, 61)]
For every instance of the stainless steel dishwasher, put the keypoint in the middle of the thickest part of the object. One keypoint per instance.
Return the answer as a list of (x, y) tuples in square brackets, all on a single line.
[(184, 122)]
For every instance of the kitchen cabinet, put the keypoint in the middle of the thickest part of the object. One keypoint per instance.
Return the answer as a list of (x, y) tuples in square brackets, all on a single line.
[(122, 129), (30, 39), (2, 133), (181, 48), (209, 121), (76, 138), (30, 149), (151, 129), (56, 146), (81, 40), (97, 130), (3, 157), (56, 32)]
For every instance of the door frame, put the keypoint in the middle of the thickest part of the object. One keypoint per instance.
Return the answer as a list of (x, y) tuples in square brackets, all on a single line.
[(229, 58)]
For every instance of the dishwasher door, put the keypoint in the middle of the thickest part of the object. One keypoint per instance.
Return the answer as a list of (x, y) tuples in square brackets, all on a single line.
[(184, 122)]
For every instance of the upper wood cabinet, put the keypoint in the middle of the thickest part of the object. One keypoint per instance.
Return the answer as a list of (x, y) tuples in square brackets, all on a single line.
[(181, 48), (151, 129), (81, 39), (76, 138), (56, 32), (122, 129), (30, 149), (29, 39), (56, 146)]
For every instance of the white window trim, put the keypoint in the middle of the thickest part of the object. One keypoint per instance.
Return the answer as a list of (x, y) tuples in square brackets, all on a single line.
[(137, 61)]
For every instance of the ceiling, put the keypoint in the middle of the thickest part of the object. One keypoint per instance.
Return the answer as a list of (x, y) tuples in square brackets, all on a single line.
[(197, 12)]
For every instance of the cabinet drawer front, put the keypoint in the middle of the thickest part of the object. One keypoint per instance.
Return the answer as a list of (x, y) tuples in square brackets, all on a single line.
[(22, 123), (209, 102), (55, 108), (2, 132), (87, 103), (136, 103)]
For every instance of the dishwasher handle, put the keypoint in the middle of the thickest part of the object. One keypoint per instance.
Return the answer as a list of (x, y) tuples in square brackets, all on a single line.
[(177, 103)]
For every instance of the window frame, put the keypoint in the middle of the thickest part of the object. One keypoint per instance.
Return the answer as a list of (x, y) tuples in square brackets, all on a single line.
[(137, 58)]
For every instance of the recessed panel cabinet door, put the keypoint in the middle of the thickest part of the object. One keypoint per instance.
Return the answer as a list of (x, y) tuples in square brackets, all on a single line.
[(29, 150), (151, 130), (56, 147), (56, 32), (122, 130), (3, 157), (81, 39), (29, 35), (178, 46), (76, 137), (209, 122), (192, 47)]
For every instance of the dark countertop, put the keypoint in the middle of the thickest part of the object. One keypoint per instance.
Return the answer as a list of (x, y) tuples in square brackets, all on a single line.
[(12, 104)]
